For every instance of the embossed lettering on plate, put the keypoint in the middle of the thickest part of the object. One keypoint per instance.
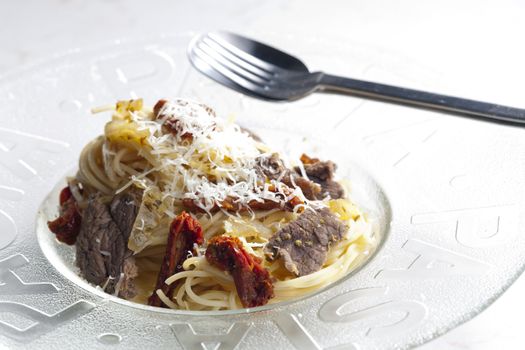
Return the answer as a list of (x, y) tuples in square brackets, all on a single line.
[(44, 322), (19, 151), (125, 73), (10, 283), (295, 332), (8, 230), (414, 312), (299, 336), (476, 227), (191, 340), (433, 261), (11, 194), (396, 145)]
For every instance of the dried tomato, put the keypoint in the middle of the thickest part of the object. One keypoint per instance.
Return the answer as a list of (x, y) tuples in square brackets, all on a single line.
[(67, 226), (170, 124), (252, 281), (305, 159), (233, 205), (184, 232)]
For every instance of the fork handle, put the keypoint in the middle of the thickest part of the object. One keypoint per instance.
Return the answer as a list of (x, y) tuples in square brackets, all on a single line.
[(421, 99)]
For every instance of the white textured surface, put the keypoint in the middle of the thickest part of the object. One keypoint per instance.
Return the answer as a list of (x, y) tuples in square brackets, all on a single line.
[(475, 44)]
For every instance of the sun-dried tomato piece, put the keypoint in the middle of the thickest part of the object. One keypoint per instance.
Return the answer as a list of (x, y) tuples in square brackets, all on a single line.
[(292, 200), (158, 106), (252, 280), (169, 124), (64, 195), (229, 204), (233, 205), (305, 159), (184, 232), (67, 226), (172, 123)]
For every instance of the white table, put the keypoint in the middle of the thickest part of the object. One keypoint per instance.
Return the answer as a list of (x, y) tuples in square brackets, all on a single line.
[(476, 44)]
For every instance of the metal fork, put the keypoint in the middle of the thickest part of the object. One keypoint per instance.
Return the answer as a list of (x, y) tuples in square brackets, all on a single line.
[(261, 71)]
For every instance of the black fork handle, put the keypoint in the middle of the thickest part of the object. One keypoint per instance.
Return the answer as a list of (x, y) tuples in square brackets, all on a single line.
[(417, 98)]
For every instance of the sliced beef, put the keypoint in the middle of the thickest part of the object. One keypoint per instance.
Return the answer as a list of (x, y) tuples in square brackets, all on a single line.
[(334, 189), (322, 173), (311, 190), (124, 208), (252, 281), (102, 244), (127, 289), (273, 168), (303, 244), (98, 244)]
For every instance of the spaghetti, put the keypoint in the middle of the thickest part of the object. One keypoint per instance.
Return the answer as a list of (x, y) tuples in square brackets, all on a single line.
[(182, 158)]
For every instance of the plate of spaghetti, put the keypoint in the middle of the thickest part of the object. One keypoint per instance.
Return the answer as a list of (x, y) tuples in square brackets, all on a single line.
[(174, 206), (180, 214)]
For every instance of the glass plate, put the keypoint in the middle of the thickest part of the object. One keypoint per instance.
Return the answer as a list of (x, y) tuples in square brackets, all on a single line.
[(446, 192)]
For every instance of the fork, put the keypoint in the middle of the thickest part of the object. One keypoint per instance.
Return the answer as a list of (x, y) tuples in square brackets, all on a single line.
[(264, 72)]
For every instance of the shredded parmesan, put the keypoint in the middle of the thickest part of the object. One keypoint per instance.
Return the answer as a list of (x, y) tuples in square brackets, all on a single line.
[(187, 153), (218, 163), (104, 108), (119, 283)]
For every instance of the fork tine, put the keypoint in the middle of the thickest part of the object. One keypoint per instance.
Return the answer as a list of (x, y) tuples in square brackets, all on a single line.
[(230, 65), (263, 65), (207, 63), (235, 59)]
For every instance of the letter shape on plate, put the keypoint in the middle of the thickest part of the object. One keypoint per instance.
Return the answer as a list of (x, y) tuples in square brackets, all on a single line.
[(19, 150), (477, 227), (8, 229), (397, 144), (299, 336), (13, 285), (191, 340), (125, 73), (414, 311), (11, 194), (43, 322), (433, 261)]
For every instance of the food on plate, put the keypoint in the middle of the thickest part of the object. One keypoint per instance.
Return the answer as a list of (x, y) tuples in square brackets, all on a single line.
[(176, 207)]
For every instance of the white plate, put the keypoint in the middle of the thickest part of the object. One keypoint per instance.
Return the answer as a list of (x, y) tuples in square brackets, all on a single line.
[(453, 206)]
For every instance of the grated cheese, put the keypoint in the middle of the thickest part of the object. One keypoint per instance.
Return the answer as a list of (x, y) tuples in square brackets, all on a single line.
[(191, 154), (217, 164)]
